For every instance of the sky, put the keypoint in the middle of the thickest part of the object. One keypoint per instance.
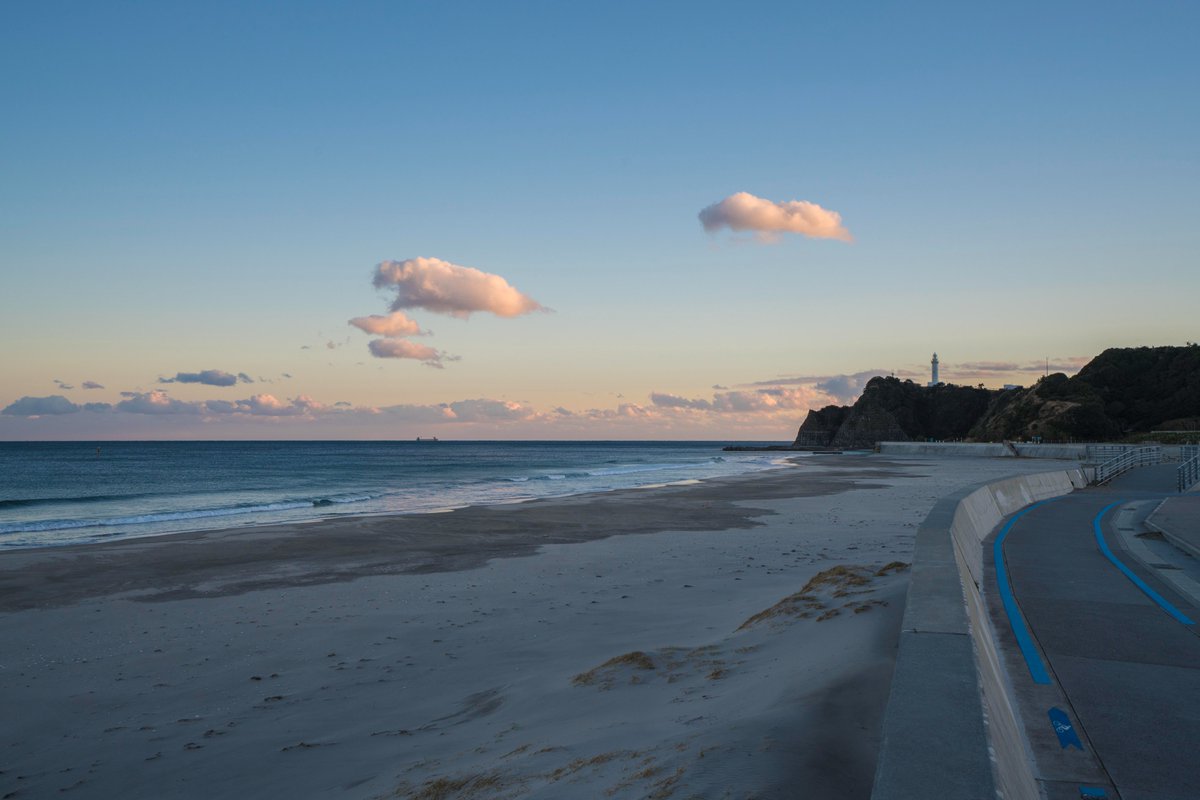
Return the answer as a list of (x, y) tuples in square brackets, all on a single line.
[(547, 220)]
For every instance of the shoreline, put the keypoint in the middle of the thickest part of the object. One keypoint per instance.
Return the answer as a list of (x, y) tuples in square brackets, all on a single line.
[(536, 650), (208, 520), (454, 539)]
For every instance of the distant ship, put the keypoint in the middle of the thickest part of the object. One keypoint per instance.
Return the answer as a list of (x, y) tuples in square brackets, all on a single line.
[(434, 439)]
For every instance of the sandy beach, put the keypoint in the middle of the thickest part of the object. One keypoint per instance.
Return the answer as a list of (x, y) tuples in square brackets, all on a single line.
[(729, 639)]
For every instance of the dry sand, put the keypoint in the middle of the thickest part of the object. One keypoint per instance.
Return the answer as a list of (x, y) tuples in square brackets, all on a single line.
[(528, 651)]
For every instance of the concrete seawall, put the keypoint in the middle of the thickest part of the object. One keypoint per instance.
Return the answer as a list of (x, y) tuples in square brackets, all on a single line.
[(1072, 452), (951, 729)]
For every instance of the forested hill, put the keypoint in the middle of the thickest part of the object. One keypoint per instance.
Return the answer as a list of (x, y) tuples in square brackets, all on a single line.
[(1123, 391)]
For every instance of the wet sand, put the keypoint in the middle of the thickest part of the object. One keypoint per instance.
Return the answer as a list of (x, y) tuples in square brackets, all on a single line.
[(727, 639)]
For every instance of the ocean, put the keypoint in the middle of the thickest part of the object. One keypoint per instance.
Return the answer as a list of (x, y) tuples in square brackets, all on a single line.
[(57, 493)]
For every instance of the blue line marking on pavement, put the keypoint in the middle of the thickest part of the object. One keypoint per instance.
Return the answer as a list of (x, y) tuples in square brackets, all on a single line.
[(1138, 582), (1089, 792), (1067, 735), (1037, 670)]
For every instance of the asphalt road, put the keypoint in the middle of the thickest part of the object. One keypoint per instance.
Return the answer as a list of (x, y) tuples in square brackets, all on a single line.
[(1101, 640)]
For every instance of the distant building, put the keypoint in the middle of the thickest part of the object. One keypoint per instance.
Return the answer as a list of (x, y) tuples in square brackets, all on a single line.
[(1013, 386), (934, 377)]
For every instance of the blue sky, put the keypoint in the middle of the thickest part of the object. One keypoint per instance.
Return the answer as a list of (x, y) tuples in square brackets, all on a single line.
[(191, 187)]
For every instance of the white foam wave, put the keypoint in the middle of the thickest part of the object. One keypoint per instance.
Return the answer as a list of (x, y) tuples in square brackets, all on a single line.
[(170, 516)]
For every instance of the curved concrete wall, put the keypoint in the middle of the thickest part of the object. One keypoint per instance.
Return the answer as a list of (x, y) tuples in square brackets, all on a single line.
[(951, 729)]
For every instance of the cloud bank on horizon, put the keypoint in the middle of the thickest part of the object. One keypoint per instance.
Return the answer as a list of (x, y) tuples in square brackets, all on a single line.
[(745, 212), (763, 409), (439, 287)]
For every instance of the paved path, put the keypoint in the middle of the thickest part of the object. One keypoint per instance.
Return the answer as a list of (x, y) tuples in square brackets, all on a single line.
[(1103, 648)]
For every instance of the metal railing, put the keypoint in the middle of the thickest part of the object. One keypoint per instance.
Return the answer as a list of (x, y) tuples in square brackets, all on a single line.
[(1137, 457), (1189, 451), (1103, 452), (1189, 473)]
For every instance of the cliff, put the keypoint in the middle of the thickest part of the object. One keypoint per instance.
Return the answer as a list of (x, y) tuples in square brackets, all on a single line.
[(1122, 391), (1055, 408), (1147, 388), (899, 411)]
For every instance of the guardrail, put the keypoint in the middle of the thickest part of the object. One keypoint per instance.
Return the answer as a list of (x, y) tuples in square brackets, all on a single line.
[(1189, 451), (1137, 457), (1099, 453), (1189, 473)]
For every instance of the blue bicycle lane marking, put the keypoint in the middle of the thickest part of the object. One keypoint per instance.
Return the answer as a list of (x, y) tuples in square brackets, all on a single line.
[(1037, 669), (1162, 602)]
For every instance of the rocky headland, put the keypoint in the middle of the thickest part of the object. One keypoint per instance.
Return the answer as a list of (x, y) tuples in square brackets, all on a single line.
[(1121, 392)]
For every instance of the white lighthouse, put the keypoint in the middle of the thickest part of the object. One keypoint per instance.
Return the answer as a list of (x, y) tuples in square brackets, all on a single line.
[(934, 369)]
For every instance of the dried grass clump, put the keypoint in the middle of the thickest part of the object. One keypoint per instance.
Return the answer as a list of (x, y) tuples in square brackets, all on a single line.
[(839, 577), (637, 660), (665, 787), (799, 604), (594, 761), (864, 606), (460, 788), (843, 580), (887, 569)]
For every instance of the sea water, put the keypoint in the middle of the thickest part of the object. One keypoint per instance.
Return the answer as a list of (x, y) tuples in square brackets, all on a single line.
[(55, 493)]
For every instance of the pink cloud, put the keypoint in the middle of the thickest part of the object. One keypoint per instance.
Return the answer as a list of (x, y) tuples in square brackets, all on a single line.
[(477, 410), (444, 288), (745, 212), (395, 324), (403, 348), (267, 405), (770, 400), (1011, 370), (484, 410), (156, 402), (754, 401), (844, 388), (987, 366), (675, 401)]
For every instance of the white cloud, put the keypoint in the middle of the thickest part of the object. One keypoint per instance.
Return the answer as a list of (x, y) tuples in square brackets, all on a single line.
[(444, 288), (745, 212)]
